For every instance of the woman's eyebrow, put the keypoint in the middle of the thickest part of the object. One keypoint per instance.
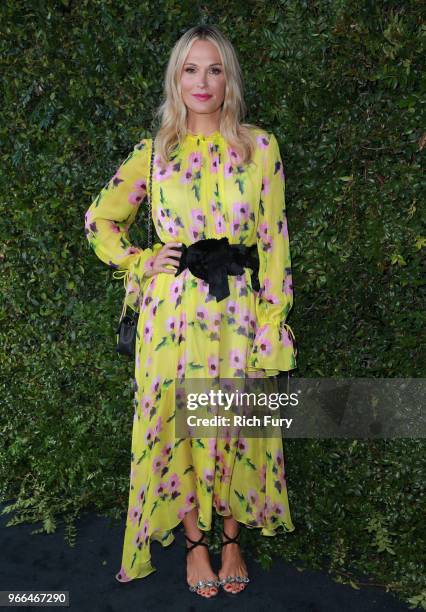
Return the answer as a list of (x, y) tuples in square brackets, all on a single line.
[(192, 64)]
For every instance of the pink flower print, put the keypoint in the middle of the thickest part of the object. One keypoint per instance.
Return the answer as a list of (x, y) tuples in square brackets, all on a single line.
[(225, 473), (88, 218), (253, 497), (220, 457), (288, 284), (181, 367), (284, 229), (114, 228), (268, 506), (116, 179), (166, 450), (232, 307), (149, 435), (149, 264), (154, 306), (146, 405), (161, 489), (265, 186), (195, 161), (147, 331), (203, 287), (141, 494), (222, 506), (140, 184), (198, 216), (190, 499), (202, 314), (216, 320), (219, 223), (234, 155), (260, 517), (161, 216), (173, 483), (156, 384), (213, 206), (182, 321), (213, 365), (236, 358), (145, 531), (241, 445), (182, 511), (159, 425), (214, 164), (263, 231), (262, 142), (212, 447), (186, 176), (171, 227), (133, 515), (161, 175), (235, 228), (228, 170), (241, 210), (244, 318), (263, 474), (285, 338), (208, 475), (278, 509), (265, 347), (194, 232), (158, 464), (122, 576), (269, 297), (175, 289), (135, 197), (279, 457), (171, 324), (131, 251)]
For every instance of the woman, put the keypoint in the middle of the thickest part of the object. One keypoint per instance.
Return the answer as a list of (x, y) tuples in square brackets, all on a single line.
[(213, 178)]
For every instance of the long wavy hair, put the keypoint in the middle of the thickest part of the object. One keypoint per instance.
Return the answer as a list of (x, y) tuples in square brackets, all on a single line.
[(172, 113)]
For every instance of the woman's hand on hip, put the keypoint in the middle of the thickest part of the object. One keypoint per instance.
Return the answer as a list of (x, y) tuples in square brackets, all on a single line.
[(169, 254)]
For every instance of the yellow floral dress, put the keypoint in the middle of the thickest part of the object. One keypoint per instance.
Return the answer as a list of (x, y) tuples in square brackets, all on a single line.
[(184, 332)]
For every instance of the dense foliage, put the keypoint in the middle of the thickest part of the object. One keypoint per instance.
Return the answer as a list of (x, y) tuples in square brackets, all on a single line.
[(340, 85)]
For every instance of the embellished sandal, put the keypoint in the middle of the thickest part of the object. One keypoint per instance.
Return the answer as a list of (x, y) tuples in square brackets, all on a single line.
[(202, 583), (232, 579)]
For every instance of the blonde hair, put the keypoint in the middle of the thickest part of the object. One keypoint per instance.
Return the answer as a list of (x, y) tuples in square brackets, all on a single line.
[(172, 112)]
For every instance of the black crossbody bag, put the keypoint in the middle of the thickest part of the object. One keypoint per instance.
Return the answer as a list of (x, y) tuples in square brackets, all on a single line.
[(128, 324)]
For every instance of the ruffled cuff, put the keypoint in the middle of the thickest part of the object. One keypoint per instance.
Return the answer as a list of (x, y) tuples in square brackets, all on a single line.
[(274, 349), (135, 276)]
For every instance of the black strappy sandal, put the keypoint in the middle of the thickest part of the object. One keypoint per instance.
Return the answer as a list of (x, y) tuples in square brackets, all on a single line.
[(202, 583), (231, 579)]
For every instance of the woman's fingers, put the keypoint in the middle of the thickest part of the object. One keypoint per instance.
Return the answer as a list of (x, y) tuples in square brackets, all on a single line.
[(170, 261), (167, 271), (167, 255)]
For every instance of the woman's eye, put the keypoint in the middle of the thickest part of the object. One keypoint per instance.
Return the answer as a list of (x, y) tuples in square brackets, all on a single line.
[(214, 70)]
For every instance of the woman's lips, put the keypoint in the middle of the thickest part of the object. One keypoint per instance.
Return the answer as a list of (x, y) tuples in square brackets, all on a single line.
[(202, 96)]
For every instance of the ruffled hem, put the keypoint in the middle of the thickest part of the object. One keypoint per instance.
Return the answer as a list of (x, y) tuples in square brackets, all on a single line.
[(274, 349), (166, 537)]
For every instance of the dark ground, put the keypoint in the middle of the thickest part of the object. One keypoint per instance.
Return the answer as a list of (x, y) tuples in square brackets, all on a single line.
[(37, 562)]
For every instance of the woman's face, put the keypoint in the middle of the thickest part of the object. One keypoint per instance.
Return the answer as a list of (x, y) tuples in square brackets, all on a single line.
[(202, 73)]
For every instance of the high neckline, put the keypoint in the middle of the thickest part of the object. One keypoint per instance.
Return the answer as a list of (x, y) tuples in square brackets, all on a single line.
[(200, 136)]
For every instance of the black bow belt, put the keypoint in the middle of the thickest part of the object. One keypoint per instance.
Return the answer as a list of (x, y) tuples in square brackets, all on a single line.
[(214, 259)]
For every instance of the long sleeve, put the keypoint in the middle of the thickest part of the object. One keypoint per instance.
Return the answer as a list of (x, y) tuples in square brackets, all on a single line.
[(109, 217), (274, 348)]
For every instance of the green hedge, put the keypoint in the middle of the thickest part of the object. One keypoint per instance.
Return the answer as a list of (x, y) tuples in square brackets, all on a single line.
[(340, 85)]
